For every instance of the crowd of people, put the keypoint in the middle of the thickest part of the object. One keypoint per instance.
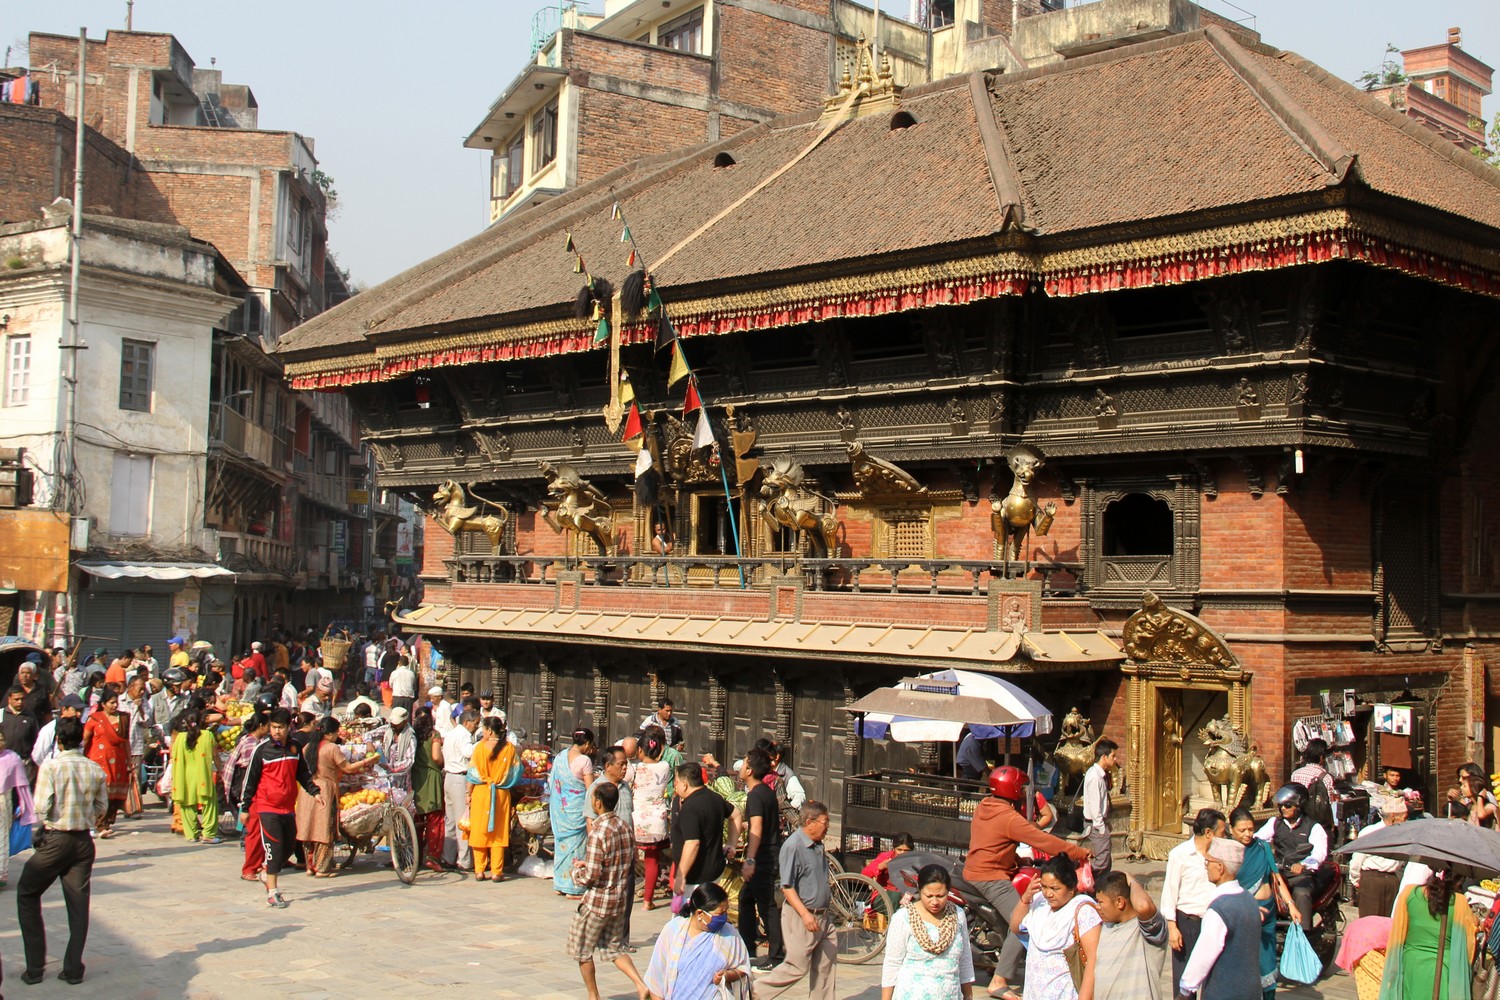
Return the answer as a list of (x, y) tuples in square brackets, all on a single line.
[(77, 742)]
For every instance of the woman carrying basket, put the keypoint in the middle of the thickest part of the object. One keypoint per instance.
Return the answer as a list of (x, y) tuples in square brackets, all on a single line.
[(489, 801)]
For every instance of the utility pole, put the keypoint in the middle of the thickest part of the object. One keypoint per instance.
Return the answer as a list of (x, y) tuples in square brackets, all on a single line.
[(68, 473), (129, 14)]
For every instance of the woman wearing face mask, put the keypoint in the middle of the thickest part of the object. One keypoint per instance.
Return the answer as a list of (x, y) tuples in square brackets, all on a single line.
[(927, 954), (699, 950)]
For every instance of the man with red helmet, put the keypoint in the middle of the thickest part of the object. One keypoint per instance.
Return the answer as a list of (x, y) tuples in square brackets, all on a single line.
[(997, 829)]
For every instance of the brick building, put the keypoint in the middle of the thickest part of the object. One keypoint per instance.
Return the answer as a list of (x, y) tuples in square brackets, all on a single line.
[(1259, 364), (286, 502), (1444, 89), (646, 77)]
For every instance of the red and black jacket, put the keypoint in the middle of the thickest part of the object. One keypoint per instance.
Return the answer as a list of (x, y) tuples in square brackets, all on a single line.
[(272, 779)]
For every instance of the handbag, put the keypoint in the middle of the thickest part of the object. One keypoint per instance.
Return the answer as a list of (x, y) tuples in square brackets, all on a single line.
[(1073, 953), (20, 837), (1299, 962)]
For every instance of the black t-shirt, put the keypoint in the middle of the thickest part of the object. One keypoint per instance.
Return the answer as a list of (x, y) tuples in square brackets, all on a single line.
[(761, 801), (701, 817)]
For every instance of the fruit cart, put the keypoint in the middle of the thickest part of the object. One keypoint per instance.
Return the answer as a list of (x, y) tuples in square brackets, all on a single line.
[(376, 813), (533, 825)]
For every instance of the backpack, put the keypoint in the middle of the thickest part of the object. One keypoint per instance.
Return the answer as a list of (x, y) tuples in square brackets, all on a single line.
[(1317, 806)]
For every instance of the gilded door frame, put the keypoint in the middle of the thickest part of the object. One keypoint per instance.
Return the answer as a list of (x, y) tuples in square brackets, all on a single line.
[(1168, 649)]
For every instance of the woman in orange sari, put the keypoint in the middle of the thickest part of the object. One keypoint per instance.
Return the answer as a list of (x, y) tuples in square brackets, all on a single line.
[(103, 744), (489, 804)]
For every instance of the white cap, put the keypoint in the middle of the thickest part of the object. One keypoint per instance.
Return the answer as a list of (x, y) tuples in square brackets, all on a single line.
[(398, 715), (256, 645), (436, 692)]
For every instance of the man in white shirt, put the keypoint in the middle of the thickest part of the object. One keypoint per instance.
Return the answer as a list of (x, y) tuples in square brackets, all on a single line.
[(1300, 846), (1227, 955), (1096, 806), (1374, 878), (670, 727), (458, 749), (362, 697), (442, 711), (403, 682), (320, 702), (1186, 890), (45, 747)]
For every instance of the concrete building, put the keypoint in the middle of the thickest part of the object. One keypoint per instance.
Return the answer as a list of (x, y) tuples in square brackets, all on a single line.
[(1444, 90), (150, 299)]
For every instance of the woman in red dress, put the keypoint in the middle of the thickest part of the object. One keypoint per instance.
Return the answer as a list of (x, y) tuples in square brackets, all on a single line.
[(103, 744)]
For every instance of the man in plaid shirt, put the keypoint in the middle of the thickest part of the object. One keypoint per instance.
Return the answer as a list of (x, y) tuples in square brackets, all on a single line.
[(604, 874)]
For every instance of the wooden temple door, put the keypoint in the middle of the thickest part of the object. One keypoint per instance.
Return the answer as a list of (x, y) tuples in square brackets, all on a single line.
[(1165, 805)]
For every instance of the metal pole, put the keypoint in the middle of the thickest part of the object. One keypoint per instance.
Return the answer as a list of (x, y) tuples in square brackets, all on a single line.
[(74, 345), (733, 524), (875, 46)]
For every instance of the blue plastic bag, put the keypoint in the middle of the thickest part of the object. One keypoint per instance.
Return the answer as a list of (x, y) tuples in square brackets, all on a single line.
[(20, 837), (1299, 962)]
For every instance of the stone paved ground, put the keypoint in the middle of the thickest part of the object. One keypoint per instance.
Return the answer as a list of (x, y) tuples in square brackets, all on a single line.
[(173, 920)]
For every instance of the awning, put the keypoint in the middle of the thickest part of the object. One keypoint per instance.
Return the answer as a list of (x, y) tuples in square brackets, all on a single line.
[(903, 644), (153, 571)]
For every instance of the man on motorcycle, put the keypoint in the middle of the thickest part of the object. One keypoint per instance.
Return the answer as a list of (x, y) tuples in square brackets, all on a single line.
[(998, 827), (1300, 847)]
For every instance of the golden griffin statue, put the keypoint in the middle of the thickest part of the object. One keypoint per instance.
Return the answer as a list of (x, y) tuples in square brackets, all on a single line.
[(577, 506), (1013, 518), (790, 504), (457, 515)]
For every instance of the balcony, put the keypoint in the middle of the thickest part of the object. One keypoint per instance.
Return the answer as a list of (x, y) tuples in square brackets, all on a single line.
[(921, 577), (330, 491), (256, 554), (242, 437)]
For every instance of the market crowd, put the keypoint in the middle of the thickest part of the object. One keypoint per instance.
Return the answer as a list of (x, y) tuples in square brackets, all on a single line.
[(253, 751)]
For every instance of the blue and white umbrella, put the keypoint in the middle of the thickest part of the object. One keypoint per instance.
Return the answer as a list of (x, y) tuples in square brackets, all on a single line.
[(951, 700)]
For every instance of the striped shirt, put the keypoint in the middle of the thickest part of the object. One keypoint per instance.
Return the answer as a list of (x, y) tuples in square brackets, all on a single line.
[(70, 792)]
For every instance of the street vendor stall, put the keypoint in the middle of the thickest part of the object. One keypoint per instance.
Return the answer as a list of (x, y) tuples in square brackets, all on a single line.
[(530, 796), (374, 805), (935, 810)]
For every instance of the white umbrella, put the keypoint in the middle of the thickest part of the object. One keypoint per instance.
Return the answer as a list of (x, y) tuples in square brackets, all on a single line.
[(1007, 695)]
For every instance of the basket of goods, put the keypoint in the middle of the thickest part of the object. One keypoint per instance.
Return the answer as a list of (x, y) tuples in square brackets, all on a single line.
[(360, 812), (236, 711), (228, 738), (532, 815), (334, 649), (536, 763)]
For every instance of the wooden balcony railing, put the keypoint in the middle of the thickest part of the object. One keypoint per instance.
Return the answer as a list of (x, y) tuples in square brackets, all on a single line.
[(961, 577)]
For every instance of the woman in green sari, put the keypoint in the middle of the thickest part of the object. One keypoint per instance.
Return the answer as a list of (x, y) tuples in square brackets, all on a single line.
[(1416, 926), (1258, 877), (194, 787)]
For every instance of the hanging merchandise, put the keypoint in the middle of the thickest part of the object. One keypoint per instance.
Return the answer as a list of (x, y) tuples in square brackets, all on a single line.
[(1316, 727)]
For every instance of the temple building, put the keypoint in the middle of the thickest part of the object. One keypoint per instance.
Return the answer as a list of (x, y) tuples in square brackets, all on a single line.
[(1024, 372)]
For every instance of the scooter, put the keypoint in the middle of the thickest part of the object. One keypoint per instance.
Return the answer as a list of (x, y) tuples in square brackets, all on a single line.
[(987, 926)]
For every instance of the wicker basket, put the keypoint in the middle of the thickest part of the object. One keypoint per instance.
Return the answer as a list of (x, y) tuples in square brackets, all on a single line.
[(535, 822), (335, 651), (1367, 973)]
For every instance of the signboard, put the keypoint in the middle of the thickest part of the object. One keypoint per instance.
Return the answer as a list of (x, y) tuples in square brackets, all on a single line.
[(34, 550), (358, 498), (185, 613), (340, 546), (403, 543)]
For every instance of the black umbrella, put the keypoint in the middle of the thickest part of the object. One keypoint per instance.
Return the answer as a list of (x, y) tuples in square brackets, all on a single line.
[(1455, 845), (1460, 847)]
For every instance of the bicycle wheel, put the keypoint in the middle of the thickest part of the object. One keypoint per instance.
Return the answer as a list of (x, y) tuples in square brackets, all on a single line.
[(401, 836), (861, 912)]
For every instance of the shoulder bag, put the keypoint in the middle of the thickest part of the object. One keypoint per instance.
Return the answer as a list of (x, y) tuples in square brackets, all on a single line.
[(1073, 953)]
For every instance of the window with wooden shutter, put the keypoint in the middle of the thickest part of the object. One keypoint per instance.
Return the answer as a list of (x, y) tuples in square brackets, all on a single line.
[(136, 361)]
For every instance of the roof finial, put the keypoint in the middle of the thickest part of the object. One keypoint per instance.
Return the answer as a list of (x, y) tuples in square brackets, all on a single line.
[(875, 87)]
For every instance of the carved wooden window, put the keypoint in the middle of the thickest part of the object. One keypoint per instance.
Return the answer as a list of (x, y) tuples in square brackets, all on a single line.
[(1140, 533), (712, 532), (905, 533), (1405, 569)]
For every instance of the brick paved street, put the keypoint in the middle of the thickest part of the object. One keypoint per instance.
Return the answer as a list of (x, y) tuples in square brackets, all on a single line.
[(173, 920)]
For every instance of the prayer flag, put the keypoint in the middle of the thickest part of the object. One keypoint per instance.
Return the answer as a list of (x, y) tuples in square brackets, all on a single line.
[(680, 369), (633, 428), (602, 333), (627, 391), (625, 235), (691, 402), (653, 300), (578, 264), (568, 244), (643, 462), (704, 436), (666, 333), (630, 260), (614, 212)]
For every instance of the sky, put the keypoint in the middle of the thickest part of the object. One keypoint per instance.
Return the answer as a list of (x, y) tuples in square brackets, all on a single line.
[(390, 90)]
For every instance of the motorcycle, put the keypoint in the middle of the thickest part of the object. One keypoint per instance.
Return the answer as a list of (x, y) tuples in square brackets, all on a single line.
[(1328, 917), (987, 926)]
